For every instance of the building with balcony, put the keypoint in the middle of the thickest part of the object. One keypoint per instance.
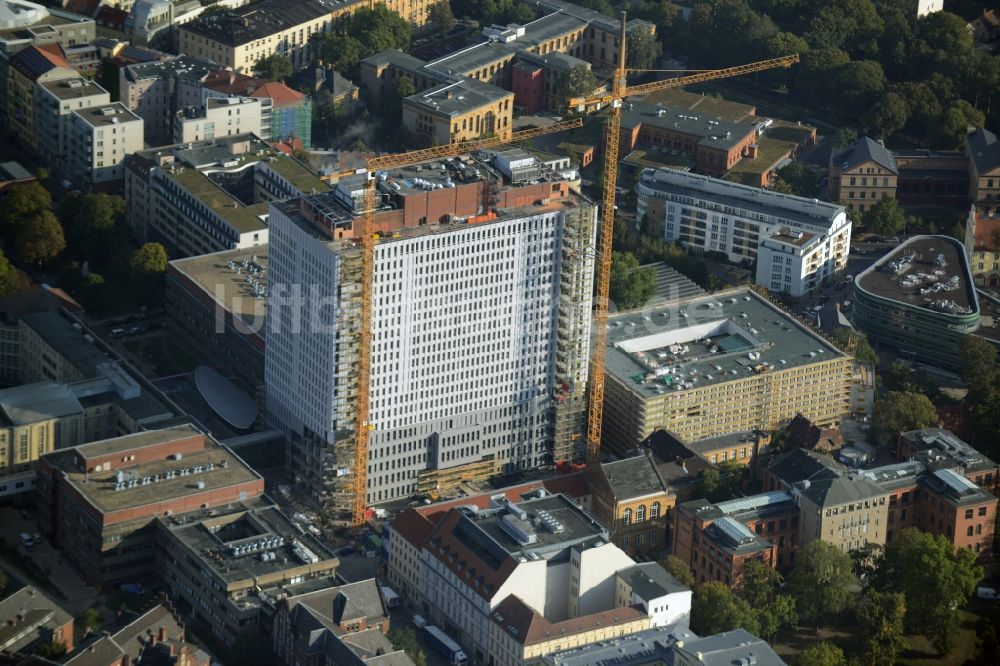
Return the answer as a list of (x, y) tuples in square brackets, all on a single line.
[(798, 244), (99, 138)]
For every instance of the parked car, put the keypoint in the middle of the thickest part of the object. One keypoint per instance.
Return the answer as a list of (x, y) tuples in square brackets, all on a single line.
[(419, 622), (26, 540), (117, 332), (848, 278), (894, 239)]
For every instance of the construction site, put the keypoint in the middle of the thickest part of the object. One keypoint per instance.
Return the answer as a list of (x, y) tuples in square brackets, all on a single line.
[(459, 285)]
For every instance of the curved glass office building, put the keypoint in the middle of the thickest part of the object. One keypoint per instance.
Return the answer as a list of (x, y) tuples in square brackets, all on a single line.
[(919, 300)]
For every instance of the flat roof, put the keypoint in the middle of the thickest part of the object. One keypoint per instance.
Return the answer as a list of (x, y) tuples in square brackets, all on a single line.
[(235, 27), (216, 275), (216, 155), (707, 340), (113, 113), (77, 88), (231, 544), (749, 201), (58, 332), (488, 532), (650, 580), (219, 468), (924, 270), (712, 132)]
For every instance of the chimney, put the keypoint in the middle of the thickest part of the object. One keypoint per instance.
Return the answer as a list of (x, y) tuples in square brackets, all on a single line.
[(151, 636), (162, 633)]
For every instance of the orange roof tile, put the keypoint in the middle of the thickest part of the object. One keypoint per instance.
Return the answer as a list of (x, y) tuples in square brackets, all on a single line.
[(986, 233), (528, 627), (279, 93)]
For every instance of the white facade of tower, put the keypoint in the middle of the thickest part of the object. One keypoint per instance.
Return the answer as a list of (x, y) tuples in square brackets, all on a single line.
[(468, 323)]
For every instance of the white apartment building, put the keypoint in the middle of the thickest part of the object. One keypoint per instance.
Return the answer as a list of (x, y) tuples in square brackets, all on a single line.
[(55, 102), (795, 242), (479, 347), (220, 117), (99, 138)]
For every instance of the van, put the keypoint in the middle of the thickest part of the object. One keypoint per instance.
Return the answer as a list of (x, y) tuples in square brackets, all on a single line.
[(419, 622), (987, 593)]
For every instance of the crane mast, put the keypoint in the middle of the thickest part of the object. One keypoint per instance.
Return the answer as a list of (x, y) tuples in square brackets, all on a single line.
[(365, 233), (612, 136)]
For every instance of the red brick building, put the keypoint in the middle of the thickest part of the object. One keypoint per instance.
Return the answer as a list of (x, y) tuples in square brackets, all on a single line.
[(97, 500), (716, 539)]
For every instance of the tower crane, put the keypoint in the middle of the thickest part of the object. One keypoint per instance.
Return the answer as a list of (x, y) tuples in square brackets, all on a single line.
[(365, 236), (612, 131)]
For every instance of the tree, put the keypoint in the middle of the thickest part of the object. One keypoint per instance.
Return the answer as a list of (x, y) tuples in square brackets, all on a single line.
[(96, 228), (885, 217), (936, 580), (151, 258), (12, 281), (866, 560), (716, 609), (956, 121), (800, 178), (392, 110), (676, 567), (631, 286), (276, 67), (821, 581), (758, 583), (578, 81), (861, 84), (21, 204), (899, 411), (776, 615), (405, 639), (709, 483), (53, 650), (880, 619), (887, 117), (849, 338), (643, 49), (816, 73), (440, 15), (90, 619), (822, 654), (39, 240), (361, 34), (979, 364)]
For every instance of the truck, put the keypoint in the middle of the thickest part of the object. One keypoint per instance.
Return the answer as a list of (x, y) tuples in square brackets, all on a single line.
[(444, 644), (391, 598)]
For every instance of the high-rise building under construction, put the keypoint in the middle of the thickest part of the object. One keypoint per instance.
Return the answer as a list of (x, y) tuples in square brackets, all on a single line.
[(481, 306)]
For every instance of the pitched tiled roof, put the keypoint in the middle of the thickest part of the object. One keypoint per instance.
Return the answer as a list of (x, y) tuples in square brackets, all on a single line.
[(866, 150), (986, 233), (231, 83), (34, 61), (527, 627), (82, 7), (111, 17), (984, 149), (413, 526), (483, 574), (279, 93)]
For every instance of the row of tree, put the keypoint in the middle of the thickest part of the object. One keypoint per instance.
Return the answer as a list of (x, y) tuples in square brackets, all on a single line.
[(917, 585), (873, 63), (89, 235)]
